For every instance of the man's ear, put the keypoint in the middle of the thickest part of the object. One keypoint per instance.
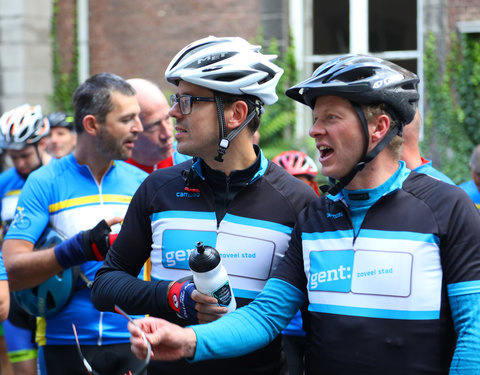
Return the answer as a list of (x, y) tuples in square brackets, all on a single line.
[(90, 124), (380, 128), (238, 112)]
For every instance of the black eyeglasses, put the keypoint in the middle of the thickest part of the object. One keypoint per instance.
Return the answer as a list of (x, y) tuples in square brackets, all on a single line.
[(145, 363), (185, 102)]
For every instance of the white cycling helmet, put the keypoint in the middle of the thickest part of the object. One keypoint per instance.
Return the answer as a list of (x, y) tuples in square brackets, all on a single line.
[(230, 65), (22, 126)]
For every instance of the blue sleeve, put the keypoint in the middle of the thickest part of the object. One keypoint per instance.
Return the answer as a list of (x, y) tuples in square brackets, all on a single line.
[(3, 271), (32, 212), (464, 300), (250, 327)]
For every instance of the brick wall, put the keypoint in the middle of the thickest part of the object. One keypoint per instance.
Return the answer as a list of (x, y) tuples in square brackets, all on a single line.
[(139, 38), (462, 10)]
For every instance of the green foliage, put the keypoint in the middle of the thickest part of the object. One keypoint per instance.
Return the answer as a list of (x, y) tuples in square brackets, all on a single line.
[(453, 100), (64, 84), (278, 122)]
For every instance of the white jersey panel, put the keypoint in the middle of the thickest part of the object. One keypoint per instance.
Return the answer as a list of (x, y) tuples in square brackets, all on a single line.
[(251, 247), (380, 275)]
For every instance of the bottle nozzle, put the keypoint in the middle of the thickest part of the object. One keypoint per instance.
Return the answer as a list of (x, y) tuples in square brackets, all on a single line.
[(200, 247)]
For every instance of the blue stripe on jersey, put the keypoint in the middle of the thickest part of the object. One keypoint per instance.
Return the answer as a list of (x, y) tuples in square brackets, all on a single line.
[(375, 313), (466, 287), (258, 223), (252, 326), (3, 271), (182, 215), (400, 235), (327, 235), (376, 234), (242, 293)]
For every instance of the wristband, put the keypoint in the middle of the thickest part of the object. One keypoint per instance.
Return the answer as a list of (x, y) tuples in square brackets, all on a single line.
[(70, 252)]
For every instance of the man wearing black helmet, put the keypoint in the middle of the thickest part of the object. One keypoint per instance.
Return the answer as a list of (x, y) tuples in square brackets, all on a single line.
[(387, 263), (62, 138), (229, 197)]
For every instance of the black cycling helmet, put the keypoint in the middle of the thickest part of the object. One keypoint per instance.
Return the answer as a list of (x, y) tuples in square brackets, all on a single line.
[(60, 119), (363, 80)]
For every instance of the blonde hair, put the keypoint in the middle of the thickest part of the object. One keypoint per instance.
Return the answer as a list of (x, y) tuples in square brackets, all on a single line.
[(371, 112)]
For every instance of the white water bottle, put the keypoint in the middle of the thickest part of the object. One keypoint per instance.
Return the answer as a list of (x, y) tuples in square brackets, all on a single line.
[(210, 277)]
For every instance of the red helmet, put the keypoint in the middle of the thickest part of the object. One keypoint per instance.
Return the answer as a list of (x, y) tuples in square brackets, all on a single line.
[(296, 163)]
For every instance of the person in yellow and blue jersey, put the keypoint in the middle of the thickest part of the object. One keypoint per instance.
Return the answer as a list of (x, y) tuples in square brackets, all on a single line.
[(82, 197)]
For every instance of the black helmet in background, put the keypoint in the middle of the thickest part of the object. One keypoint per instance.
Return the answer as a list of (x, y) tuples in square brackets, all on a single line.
[(60, 119)]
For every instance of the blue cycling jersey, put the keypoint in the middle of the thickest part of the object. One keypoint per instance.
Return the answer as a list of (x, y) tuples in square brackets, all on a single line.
[(428, 169), (3, 271), (472, 191), (65, 195), (10, 185)]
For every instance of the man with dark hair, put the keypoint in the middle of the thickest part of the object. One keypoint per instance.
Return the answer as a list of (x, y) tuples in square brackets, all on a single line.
[(386, 264), (69, 196), (229, 196)]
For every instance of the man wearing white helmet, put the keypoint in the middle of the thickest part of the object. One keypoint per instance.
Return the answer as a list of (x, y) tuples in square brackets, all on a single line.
[(23, 132), (386, 265), (229, 196)]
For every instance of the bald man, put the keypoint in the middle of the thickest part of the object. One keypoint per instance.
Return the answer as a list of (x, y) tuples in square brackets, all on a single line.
[(155, 147), (411, 152)]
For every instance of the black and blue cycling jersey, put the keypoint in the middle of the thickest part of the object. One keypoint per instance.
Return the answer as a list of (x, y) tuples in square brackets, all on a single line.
[(390, 277), (247, 216)]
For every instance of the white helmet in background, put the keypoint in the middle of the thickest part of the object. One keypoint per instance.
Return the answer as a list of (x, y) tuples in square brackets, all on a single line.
[(22, 126)]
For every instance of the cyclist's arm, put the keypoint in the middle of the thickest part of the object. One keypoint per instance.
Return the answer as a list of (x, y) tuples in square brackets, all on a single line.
[(27, 268), (251, 327), (4, 292), (466, 317), (117, 284)]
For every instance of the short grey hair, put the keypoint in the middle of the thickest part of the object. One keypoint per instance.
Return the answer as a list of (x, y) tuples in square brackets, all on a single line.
[(475, 160)]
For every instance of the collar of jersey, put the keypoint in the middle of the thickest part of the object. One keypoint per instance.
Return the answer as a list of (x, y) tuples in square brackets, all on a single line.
[(394, 183), (197, 165)]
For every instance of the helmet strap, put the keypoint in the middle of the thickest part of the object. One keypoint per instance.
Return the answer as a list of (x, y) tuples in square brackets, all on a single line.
[(224, 138), (39, 156), (334, 186)]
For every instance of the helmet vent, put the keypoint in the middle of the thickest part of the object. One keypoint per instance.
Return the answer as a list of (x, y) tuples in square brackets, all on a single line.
[(357, 74), (50, 302)]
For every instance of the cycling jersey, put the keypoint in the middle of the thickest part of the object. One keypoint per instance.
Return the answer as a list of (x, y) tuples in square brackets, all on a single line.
[(249, 222), (383, 272), (19, 326), (3, 271), (66, 195), (471, 189), (427, 168), (10, 185)]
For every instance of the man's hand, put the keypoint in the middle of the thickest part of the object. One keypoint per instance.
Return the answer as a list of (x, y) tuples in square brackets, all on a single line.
[(92, 244), (169, 341), (192, 305)]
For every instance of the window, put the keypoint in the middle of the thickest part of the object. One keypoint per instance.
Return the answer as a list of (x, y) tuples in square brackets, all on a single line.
[(387, 29)]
